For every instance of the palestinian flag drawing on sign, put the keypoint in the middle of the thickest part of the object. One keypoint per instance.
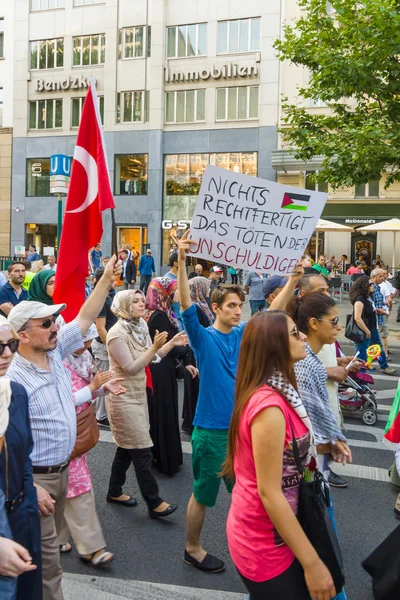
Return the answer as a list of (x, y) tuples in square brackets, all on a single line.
[(294, 201)]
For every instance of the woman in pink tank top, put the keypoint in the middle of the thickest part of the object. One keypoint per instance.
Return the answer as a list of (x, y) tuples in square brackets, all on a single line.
[(268, 545)]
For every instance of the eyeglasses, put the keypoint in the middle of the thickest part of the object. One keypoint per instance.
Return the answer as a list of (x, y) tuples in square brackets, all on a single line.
[(295, 332), (44, 324), (12, 344), (335, 321)]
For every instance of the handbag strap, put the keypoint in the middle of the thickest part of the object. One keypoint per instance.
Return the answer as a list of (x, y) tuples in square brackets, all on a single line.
[(296, 452)]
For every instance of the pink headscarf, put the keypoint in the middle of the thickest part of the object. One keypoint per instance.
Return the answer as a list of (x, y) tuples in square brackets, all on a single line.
[(159, 296)]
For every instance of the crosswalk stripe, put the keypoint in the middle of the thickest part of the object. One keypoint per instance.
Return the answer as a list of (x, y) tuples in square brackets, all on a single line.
[(362, 472), (385, 394)]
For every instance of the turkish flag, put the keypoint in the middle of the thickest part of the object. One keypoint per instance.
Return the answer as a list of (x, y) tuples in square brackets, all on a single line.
[(89, 194)]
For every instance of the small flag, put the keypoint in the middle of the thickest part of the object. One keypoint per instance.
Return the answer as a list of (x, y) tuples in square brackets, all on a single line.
[(392, 430), (290, 197)]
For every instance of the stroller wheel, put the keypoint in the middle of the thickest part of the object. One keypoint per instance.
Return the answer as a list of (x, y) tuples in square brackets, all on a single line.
[(369, 416)]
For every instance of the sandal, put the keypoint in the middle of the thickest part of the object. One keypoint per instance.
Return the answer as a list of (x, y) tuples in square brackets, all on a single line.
[(64, 548), (100, 561)]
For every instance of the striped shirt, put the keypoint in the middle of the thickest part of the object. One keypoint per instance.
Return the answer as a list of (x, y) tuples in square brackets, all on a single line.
[(51, 403)]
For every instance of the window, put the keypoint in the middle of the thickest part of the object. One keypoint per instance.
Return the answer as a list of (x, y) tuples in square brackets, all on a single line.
[(185, 107), (1, 38), (131, 174), (81, 2), (45, 114), (183, 174), (1, 107), (237, 103), (317, 186), (367, 190), (89, 50), (47, 54), (38, 177), (187, 40), (238, 36), (131, 42), (130, 107), (316, 103), (46, 4), (77, 105)]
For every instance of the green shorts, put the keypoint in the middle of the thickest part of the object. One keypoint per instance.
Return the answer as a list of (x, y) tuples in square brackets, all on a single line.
[(209, 448)]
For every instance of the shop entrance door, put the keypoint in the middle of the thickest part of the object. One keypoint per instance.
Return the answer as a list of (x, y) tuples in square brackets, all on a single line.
[(135, 236), (364, 243)]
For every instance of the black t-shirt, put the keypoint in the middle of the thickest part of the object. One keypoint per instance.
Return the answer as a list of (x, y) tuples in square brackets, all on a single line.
[(108, 315), (368, 313)]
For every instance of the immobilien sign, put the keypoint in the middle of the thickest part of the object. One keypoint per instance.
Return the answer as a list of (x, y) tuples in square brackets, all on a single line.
[(228, 71)]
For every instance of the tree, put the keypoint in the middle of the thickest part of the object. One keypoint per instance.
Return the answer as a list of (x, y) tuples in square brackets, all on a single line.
[(353, 56)]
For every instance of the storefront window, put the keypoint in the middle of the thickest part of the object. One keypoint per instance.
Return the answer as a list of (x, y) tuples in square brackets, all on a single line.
[(183, 174), (38, 177), (130, 174)]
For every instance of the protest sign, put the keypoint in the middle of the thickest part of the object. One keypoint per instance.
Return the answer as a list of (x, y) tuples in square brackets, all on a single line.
[(251, 223)]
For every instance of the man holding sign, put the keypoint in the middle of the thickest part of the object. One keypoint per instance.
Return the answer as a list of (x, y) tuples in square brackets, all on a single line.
[(216, 349)]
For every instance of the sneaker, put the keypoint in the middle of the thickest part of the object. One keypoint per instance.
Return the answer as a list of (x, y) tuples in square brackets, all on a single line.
[(336, 481), (389, 371), (104, 423)]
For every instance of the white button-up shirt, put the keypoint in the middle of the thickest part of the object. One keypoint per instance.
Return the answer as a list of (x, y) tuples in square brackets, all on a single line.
[(51, 402)]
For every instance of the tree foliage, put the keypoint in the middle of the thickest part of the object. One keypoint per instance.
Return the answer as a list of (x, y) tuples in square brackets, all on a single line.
[(353, 57)]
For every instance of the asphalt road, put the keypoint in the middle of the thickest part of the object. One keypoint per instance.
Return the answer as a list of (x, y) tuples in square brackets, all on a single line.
[(149, 563)]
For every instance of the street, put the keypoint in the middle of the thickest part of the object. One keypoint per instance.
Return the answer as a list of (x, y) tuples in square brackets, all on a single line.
[(148, 563)]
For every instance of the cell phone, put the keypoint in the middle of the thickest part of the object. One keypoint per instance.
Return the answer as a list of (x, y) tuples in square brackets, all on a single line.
[(352, 362)]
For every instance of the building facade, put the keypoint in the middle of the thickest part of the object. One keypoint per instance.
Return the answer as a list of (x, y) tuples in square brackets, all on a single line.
[(180, 86)]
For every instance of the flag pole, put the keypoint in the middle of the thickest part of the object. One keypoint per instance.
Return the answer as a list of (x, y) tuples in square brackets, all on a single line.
[(114, 241)]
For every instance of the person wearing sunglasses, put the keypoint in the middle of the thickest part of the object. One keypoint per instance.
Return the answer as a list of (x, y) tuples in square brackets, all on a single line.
[(38, 365), (16, 481)]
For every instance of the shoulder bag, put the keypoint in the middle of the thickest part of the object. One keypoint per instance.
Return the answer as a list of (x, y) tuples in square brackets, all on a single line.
[(353, 331), (87, 432), (313, 516)]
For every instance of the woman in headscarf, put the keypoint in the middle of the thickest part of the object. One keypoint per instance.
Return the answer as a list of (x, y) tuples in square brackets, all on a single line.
[(163, 401), (131, 350), (16, 480), (199, 294), (80, 516), (41, 288)]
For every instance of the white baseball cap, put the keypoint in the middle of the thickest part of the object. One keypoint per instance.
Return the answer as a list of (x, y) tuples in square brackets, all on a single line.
[(24, 311)]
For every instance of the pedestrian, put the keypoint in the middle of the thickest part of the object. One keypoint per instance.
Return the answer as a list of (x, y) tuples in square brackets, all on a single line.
[(14, 558), (216, 351), (146, 270), (234, 275), (51, 263), (32, 254), (12, 293), (163, 399), (41, 288), (104, 322), (199, 295), (215, 277), (173, 274), (364, 313), (95, 258), (130, 350), (29, 275), (38, 366), (387, 291), (268, 546), (320, 266), (272, 287), (80, 515), (174, 249), (16, 480), (343, 264), (253, 286), (128, 271), (197, 272)]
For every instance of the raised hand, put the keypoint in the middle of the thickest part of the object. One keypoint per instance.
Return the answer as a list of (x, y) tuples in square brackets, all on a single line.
[(180, 339), (183, 244), (298, 273), (159, 340)]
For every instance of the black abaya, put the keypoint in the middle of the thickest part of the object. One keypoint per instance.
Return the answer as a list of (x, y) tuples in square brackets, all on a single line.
[(163, 402)]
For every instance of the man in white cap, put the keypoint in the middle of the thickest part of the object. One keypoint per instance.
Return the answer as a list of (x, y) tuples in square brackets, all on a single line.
[(38, 366)]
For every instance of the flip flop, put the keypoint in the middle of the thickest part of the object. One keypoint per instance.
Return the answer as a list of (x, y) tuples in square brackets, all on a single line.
[(100, 561), (64, 549)]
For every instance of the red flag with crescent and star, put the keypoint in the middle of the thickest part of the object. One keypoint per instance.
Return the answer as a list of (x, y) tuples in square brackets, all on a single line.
[(89, 194)]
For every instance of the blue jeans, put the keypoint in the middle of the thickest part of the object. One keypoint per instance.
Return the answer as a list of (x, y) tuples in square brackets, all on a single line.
[(257, 305), (374, 339), (342, 594)]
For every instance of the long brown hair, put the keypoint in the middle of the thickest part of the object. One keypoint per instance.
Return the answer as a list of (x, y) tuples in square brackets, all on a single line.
[(264, 350)]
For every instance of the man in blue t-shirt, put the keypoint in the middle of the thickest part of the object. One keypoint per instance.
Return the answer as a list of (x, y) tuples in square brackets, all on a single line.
[(216, 349), (95, 258)]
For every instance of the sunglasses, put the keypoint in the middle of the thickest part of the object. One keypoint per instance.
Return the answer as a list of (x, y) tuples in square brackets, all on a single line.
[(335, 321), (12, 344), (44, 324), (295, 332)]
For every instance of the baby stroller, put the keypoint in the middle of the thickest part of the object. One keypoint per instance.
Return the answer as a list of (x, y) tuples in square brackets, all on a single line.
[(356, 396)]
